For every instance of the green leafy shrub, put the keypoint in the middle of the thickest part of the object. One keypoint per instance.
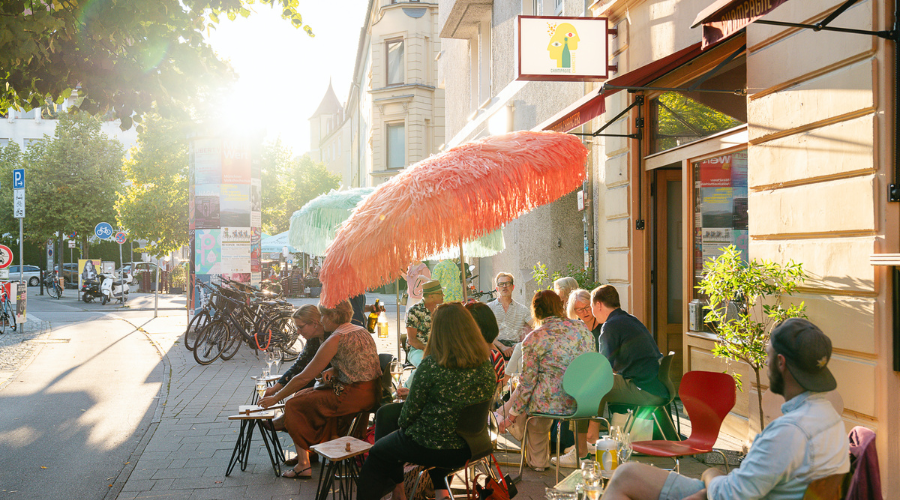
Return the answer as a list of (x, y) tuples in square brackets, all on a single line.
[(584, 276)]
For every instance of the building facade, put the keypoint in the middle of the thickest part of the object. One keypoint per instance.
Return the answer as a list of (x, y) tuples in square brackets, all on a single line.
[(394, 114), (477, 72), (25, 127)]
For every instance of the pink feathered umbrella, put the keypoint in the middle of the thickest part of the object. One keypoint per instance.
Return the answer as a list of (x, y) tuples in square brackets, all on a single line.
[(448, 198)]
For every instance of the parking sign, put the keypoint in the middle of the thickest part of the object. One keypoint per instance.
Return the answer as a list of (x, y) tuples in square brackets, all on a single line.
[(19, 178)]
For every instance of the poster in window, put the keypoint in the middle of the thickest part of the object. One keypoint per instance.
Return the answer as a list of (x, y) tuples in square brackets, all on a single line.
[(720, 207)]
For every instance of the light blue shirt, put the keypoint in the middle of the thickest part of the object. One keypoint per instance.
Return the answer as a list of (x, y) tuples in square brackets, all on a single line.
[(808, 442)]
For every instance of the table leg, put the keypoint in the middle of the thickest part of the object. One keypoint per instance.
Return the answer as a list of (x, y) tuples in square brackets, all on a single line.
[(249, 438), (326, 479), (238, 453), (276, 464)]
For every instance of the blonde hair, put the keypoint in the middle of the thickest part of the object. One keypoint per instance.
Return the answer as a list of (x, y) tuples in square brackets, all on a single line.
[(340, 314), (500, 275), (565, 286), (575, 296), (455, 340), (307, 313)]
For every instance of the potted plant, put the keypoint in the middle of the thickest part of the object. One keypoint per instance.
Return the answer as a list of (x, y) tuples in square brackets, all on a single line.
[(584, 276), (745, 304)]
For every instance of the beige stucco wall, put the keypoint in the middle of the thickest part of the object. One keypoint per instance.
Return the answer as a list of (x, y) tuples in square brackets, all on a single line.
[(820, 127)]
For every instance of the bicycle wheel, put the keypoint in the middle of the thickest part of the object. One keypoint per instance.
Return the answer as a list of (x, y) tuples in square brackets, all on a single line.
[(209, 342), (200, 320), (284, 335), (52, 291), (3, 321), (232, 343)]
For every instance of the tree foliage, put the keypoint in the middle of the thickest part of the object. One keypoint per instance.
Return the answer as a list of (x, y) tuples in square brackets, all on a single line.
[(10, 157), (72, 179), (288, 184), (745, 303), (154, 205), (584, 276), (124, 55)]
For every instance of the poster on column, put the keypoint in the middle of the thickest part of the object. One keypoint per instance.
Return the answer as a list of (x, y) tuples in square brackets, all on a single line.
[(236, 162), (207, 155), (255, 250), (256, 203), (234, 205), (208, 256), (206, 206), (235, 250)]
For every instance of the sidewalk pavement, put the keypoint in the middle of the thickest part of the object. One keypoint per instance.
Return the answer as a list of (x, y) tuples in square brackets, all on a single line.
[(186, 450)]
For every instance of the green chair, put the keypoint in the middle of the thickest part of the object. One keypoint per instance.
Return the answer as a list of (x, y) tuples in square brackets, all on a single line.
[(664, 425), (587, 379)]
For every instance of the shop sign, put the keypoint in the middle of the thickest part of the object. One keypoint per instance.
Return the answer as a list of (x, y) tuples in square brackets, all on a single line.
[(562, 48), (735, 16)]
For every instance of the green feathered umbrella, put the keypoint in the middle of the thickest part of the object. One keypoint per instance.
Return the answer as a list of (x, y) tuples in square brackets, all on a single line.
[(313, 226)]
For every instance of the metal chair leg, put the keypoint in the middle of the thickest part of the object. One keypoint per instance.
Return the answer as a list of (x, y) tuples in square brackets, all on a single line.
[(724, 459)]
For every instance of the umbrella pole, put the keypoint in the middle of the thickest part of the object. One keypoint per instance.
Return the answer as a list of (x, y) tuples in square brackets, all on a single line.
[(462, 269), (398, 319)]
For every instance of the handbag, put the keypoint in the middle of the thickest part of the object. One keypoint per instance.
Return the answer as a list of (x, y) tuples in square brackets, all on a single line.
[(497, 487)]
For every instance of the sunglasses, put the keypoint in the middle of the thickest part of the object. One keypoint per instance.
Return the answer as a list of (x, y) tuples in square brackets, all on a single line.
[(504, 284)]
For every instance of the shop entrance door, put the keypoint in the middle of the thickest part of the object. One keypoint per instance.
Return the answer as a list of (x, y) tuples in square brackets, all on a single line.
[(669, 286)]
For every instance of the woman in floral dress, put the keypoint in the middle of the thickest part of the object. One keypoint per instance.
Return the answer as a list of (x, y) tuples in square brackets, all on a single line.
[(546, 353)]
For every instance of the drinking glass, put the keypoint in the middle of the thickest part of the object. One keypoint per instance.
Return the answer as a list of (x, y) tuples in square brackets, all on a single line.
[(591, 477), (396, 372), (270, 358), (260, 388), (624, 448)]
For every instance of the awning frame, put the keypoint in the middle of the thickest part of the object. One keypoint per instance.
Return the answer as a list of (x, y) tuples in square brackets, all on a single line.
[(823, 24)]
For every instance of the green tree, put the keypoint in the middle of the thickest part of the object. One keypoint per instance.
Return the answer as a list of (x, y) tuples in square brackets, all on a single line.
[(745, 304), (73, 179), (10, 157), (125, 56), (288, 184), (154, 205), (583, 275)]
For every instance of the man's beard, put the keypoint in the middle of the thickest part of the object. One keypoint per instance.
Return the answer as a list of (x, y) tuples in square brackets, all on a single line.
[(776, 381)]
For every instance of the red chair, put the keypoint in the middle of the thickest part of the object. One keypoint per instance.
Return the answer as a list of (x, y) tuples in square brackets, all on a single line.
[(707, 399)]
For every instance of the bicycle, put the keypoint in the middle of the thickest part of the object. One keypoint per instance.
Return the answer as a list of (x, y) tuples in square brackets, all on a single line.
[(7, 312), (52, 285)]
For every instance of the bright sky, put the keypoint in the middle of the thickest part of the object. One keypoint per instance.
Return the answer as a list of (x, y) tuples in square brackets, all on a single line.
[(283, 72)]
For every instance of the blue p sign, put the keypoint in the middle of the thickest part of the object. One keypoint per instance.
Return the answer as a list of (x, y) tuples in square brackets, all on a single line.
[(19, 178)]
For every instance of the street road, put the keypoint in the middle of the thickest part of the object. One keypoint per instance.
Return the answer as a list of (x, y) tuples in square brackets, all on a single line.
[(72, 418)]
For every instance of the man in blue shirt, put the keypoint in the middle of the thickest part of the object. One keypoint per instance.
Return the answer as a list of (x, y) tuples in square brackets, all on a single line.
[(808, 442)]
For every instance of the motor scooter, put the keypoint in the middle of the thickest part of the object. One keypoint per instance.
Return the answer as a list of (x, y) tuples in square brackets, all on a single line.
[(90, 290), (112, 288)]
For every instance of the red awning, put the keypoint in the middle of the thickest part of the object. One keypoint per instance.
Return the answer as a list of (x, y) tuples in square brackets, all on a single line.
[(593, 104), (724, 18)]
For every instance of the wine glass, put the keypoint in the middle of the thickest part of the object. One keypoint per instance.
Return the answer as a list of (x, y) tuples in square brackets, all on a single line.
[(279, 356), (396, 373), (624, 447), (270, 358)]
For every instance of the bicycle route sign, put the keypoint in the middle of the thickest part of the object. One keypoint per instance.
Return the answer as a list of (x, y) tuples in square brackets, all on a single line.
[(104, 231), (120, 237), (6, 256)]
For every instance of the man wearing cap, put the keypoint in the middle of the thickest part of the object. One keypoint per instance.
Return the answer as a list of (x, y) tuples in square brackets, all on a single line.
[(418, 321), (806, 443)]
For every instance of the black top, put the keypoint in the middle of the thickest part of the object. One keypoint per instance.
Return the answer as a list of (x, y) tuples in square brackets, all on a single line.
[(596, 333), (306, 355), (632, 352), (358, 304)]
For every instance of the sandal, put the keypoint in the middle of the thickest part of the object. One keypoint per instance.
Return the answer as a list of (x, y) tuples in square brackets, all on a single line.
[(295, 474)]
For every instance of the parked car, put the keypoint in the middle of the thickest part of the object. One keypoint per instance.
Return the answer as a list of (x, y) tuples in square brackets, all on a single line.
[(140, 267), (32, 274), (69, 274)]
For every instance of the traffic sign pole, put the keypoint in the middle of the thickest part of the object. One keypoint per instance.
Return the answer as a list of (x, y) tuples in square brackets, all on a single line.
[(19, 212)]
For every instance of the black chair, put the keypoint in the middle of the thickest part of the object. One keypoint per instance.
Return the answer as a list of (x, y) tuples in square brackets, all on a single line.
[(472, 426)]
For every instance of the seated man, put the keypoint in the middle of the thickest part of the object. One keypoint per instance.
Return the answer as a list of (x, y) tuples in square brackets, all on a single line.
[(418, 322), (634, 357), (808, 442), (513, 319)]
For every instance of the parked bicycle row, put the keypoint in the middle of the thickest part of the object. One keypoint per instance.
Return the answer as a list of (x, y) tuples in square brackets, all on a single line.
[(232, 314)]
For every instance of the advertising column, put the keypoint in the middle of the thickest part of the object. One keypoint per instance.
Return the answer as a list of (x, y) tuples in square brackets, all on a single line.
[(223, 217)]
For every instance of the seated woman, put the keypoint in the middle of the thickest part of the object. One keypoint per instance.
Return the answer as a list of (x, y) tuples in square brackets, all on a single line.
[(306, 314), (579, 307), (311, 415), (454, 373), (564, 287), (546, 352), (487, 323)]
